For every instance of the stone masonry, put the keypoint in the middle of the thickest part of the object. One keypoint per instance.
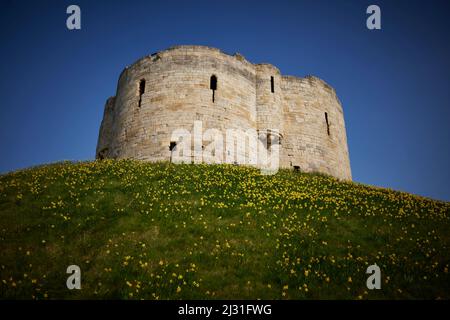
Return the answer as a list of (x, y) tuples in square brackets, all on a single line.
[(174, 88)]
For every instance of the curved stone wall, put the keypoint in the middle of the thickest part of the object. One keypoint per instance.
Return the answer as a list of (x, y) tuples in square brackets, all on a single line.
[(312, 144)]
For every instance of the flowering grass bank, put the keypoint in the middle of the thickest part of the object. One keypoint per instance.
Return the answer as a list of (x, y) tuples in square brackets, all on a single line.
[(158, 231)]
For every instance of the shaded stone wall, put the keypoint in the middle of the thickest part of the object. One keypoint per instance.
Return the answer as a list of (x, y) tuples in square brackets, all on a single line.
[(177, 92), (104, 137)]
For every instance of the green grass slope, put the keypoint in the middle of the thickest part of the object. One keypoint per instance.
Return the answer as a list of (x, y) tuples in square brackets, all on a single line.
[(160, 231)]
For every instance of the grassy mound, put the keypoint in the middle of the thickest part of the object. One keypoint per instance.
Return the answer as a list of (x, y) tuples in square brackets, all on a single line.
[(160, 231)]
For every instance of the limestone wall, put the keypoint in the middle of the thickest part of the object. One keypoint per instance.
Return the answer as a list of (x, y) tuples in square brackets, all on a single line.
[(268, 98), (308, 143), (178, 92)]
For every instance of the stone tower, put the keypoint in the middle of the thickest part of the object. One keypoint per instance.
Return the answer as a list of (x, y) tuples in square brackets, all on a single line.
[(184, 85)]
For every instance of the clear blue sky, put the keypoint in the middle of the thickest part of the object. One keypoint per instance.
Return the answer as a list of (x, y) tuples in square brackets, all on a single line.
[(394, 84)]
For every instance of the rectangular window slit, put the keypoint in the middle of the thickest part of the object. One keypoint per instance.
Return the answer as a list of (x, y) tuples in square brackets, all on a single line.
[(141, 91), (213, 86)]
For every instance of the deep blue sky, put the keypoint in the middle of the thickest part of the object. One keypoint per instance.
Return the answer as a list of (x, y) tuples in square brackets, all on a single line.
[(394, 84)]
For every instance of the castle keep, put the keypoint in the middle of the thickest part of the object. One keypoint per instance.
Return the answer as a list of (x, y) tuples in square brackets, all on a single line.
[(174, 88)]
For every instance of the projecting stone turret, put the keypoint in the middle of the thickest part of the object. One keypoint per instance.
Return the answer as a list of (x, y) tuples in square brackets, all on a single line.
[(176, 88)]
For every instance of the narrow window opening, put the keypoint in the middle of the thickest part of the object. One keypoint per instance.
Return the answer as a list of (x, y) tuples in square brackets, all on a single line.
[(141, 90), (328, 124), (272, 85), (213, 86), (102, 154), (172, 147)]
